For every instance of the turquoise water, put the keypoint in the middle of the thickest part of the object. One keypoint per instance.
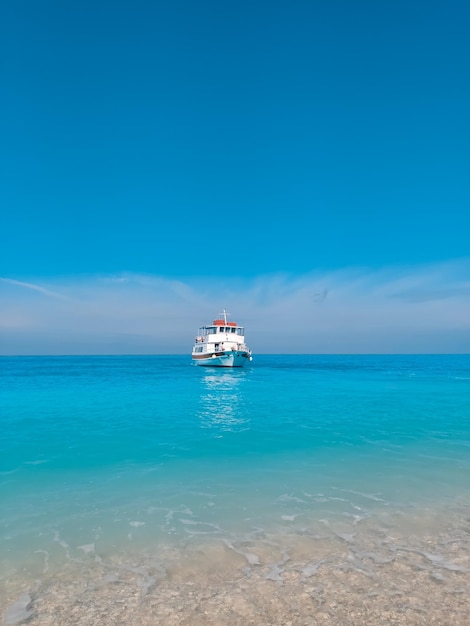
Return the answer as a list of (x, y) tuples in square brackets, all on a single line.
[(111, 459)]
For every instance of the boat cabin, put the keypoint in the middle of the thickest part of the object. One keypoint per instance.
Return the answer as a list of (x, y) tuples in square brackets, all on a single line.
[(221, 326)]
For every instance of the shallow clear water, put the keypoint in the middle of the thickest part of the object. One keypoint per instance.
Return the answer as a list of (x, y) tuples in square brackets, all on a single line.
[(286, 465)]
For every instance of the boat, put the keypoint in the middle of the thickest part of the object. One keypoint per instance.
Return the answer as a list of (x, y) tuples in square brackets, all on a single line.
[(221, 344)]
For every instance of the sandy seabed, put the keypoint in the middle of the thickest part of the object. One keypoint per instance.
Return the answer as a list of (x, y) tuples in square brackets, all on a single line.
[(299, 579)]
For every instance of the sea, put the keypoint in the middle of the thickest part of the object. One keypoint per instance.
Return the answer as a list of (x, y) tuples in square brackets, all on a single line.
[(299, 490)]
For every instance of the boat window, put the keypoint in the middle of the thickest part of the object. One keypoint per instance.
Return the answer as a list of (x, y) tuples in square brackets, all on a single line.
[(239, 331), (211, 330), (233, 330)]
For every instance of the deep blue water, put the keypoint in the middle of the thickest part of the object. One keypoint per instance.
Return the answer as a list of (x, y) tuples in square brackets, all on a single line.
[(117, 452)]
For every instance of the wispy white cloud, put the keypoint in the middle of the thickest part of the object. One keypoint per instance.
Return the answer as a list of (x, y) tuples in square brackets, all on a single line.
[(34, 287), (414, 309)]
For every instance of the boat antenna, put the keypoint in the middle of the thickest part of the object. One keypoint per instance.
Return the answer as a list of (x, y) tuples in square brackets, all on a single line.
[(224, 313)]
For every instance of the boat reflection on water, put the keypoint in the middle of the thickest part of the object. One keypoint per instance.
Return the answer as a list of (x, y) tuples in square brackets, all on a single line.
[(222, 404)]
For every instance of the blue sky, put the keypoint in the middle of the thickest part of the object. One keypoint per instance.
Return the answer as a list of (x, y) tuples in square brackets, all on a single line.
[(238, 155)]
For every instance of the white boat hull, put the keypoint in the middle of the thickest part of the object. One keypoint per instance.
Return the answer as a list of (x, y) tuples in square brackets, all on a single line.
[(228, 358)]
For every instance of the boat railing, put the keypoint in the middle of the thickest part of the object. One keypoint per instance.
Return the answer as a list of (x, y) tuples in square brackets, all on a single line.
[(240, 346)]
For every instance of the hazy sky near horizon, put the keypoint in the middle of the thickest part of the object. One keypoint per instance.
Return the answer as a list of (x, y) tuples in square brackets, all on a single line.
[(295, 162)]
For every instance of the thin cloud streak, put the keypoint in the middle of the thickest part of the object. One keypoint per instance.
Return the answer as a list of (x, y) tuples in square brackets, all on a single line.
[(393, 310), (39, 288)]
